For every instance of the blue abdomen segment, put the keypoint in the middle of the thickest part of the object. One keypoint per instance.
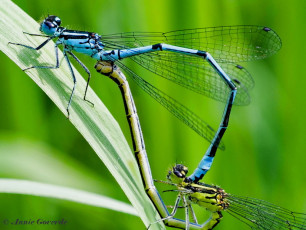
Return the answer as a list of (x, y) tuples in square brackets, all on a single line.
[(202, 168), (113, 55)]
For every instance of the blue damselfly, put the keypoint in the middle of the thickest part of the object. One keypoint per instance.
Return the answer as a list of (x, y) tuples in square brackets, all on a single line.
[(182, 61)]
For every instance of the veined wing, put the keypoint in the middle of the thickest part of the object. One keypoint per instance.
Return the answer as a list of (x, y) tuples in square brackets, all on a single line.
[(260, 214), (177, 109), (194, 73), (225, 43)]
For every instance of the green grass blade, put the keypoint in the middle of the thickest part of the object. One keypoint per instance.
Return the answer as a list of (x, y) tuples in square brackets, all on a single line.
[(26, 187), (95, 123)]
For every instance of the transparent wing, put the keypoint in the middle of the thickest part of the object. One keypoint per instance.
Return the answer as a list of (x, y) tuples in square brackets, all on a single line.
[(173, 106), (225, 43), (196, 74), (229, 44), (260, 214)]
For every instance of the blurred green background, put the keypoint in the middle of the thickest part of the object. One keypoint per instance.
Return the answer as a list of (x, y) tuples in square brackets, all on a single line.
[(265, 142)]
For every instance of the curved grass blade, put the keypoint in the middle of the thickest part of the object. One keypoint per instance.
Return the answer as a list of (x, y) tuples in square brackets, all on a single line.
[(25, 187), (96, 124)]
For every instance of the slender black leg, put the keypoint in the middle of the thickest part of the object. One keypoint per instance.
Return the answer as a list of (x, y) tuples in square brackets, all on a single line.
[(33, 48), (74, 82), (47, 67), (38, 48), (51, 67), (39, 35), (87, 71)]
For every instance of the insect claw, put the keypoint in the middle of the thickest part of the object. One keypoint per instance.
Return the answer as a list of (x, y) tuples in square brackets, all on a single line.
[(92, 104), (28, 68), (68, 114)]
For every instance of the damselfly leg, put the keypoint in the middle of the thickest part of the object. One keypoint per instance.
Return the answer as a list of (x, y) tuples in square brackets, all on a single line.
[(65, 53), (257, 214)]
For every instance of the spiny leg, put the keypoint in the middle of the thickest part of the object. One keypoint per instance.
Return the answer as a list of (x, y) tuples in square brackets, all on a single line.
[(38, 35), (177, 201), (174, 210), (74, 82), (33, 48), (172, 206), (51, 67), (48, 67), (37, 48), (194, 218), (87, 71), (186, 212)]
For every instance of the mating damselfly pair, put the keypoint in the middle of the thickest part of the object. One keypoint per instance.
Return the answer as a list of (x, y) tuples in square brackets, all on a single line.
[(180, 57), (257, 214)]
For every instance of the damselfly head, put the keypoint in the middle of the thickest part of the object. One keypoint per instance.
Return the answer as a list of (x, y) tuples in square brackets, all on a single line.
[(50, 25), (177, 174)]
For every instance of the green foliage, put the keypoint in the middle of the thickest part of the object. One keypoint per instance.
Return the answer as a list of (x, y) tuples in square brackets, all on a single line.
[(265, 142), (96, 124)]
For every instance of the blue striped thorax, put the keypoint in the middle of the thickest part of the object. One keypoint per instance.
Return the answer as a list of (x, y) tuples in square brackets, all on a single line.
[(88, 43)]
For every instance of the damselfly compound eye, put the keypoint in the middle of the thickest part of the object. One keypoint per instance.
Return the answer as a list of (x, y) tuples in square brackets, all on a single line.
[(56, 21)]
